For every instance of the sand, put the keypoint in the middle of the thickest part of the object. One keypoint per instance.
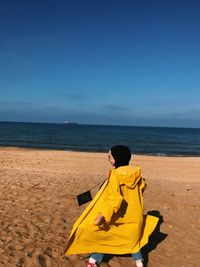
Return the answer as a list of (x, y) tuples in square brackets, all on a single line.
[(38, 206)]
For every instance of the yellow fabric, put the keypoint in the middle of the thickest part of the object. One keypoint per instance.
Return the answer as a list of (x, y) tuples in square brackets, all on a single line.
[(120, 201)]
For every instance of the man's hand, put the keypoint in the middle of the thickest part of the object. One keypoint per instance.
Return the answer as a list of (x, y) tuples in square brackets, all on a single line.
[(98, 220)]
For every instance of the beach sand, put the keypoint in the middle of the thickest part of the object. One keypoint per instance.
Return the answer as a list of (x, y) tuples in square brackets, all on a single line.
[(38, 206)]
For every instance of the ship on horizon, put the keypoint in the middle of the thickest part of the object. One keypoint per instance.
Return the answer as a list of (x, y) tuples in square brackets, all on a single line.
[(71, 123)]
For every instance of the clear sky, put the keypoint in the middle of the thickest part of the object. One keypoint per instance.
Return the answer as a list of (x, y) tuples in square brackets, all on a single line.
[(118, 62)]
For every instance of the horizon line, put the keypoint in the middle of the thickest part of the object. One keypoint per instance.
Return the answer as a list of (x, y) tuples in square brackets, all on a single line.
[(92, 124)]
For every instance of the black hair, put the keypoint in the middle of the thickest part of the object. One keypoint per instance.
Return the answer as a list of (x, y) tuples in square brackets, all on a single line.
[(121, 155)]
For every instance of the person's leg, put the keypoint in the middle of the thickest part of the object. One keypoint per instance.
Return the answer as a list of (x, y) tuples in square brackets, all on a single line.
[(137, 257), (96, 258)]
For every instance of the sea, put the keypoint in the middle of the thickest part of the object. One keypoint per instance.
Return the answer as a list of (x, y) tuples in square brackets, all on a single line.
[(161, 141)]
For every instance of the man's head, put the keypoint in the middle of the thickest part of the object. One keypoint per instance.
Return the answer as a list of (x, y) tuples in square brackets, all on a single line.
[(119, 156)]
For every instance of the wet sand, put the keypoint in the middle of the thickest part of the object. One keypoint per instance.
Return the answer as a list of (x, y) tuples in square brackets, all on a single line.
[(38, 206)]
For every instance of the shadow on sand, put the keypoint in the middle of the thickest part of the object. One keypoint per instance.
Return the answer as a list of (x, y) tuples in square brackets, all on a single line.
[(155, 238)]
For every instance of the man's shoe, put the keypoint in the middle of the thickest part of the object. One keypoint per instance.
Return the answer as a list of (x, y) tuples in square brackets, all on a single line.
[(91, 265), (139, 263)]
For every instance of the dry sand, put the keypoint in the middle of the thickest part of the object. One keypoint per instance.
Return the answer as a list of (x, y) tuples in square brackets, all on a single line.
[(38, 206)]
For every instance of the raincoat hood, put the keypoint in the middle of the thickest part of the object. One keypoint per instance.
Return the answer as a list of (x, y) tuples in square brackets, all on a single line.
[(128, 176)]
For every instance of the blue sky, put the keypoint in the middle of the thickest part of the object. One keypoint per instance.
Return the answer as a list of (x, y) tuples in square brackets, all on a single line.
[(118, 62)]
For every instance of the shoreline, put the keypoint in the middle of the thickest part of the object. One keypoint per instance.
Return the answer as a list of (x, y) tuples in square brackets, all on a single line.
[(179, 168), (100, 152)]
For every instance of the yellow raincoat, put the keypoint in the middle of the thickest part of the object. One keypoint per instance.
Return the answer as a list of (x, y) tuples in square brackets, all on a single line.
[(120, 201)]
